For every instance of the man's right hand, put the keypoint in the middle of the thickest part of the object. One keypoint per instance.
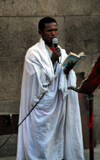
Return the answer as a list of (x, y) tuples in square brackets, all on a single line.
[(55, 55)]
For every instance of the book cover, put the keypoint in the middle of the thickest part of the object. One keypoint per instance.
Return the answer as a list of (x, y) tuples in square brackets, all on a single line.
[(74, 57)]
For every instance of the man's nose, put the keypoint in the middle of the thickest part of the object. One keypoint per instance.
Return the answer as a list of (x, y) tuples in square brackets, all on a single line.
[(53, 33)]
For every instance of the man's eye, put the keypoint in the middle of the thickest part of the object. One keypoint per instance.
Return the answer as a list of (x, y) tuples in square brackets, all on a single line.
[(49, 30), (52, 30)]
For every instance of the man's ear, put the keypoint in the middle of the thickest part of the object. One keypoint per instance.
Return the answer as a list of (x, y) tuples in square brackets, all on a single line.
[(40, 32)]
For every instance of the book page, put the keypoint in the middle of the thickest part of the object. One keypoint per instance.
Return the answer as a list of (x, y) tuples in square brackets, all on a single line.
[(81, 54)]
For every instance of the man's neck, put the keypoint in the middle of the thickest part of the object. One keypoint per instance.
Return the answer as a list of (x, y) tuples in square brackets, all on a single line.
[(49, 45)]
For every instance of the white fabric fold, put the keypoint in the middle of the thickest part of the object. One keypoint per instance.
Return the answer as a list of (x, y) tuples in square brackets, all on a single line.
[(63, 86), (73, 129)]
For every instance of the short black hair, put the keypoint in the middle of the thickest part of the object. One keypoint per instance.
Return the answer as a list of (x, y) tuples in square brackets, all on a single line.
[(44, 20)]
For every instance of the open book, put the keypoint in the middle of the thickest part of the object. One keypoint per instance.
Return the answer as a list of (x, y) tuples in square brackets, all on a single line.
[(74, 57)]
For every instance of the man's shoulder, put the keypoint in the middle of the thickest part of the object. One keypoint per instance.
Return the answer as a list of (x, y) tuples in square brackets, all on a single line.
[(33, 48), (32, 52)]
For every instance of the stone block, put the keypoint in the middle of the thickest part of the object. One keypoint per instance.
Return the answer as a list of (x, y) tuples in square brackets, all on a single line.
[(10, 148), (10, 79), (97, 128), (95, 7), (4, 37), (23, 33), (1, 7), (17, 8), (10, 106), (8, 158), (97, 114), (83, 34), (17, 35), (64, 7), (96, 102)]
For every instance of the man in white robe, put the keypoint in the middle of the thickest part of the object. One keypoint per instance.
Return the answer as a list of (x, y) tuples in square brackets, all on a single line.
[(53, 130)]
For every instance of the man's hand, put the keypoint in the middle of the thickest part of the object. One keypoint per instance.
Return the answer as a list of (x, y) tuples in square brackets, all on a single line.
[(55, 55), (70, 66)]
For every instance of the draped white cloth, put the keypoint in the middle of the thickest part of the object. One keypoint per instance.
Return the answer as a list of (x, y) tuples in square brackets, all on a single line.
[(53, 129)]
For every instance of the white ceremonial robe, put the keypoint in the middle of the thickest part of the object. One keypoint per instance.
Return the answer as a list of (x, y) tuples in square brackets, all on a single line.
[(53, 129)]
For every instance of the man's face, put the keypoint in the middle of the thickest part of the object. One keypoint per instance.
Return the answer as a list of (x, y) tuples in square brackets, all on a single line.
[(50, 31)]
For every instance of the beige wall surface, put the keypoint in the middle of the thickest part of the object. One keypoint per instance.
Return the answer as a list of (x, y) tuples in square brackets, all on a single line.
[(79, 30)]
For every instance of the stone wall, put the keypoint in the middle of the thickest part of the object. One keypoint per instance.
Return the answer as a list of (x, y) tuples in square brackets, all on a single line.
[(79, 30)]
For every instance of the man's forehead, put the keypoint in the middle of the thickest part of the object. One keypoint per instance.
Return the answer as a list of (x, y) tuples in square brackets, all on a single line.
[(51, 24)]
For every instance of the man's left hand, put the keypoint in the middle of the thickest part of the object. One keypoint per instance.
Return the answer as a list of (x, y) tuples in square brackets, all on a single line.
[(70, 66)]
